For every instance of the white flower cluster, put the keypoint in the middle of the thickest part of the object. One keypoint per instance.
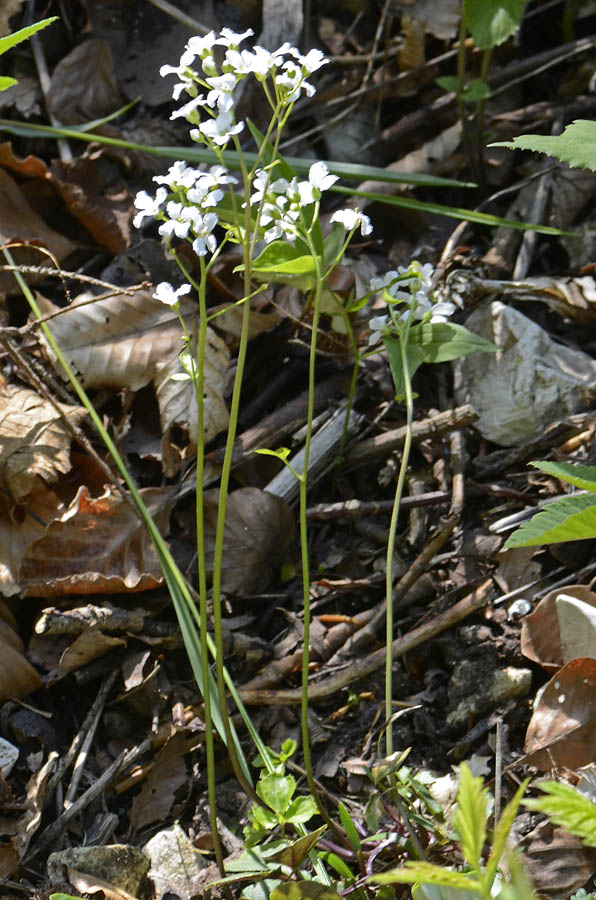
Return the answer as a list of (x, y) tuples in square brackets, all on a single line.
[(280, 202), (410, 285), (191, 214), (287, 69)]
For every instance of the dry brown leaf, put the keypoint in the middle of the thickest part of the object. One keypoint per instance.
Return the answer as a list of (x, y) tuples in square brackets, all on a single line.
[(17, 835), (20, 526), (441, 19), (540, 636), (91, 884), (30, 166), (99, 545), (17, 676), (259, 527), (556, 862), (156, 798), (103, 206), (34, 440), (562, 730), (83, 84), (411, 53), (8, 9), (88, 646), (19, 222), (133, 341)]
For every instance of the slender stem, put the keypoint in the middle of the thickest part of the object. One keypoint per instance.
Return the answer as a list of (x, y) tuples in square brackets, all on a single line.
[(403, 335), (480, 117), (461, 83)]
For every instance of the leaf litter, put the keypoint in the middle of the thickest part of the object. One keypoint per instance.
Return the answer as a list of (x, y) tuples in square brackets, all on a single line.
[(69, 532)]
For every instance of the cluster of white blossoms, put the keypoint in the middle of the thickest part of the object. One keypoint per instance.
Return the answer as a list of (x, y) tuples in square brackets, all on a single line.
[(211, 90), (410, 285), (186, 200)]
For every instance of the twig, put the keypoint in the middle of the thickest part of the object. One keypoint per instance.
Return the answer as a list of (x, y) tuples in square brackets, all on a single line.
[(182, 17), (364, 667)]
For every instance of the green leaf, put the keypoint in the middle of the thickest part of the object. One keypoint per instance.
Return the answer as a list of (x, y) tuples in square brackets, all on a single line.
[(263, 819), (294, 853), (301, 810), (470, 815), (567, 807), (279, 256), (448, 83), (568, 519), (414, 356), (427, 873), (333, 243), (491, 22), (11, 39), (349, 827), (444, 341), (581, 476), (5, 83), (63, 897), (276, 791), (434, 892), (576, 146), (504, 825), (304, 890), (476, 90)]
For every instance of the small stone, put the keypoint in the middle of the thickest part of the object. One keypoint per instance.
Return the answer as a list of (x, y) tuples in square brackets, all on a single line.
[(120, 865), (176, 865), (8, 757)]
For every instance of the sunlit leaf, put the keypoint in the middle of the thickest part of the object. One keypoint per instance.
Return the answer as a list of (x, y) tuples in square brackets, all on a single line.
[(471, 815), (567, 807), (491, 22), (568, 519), (576, 146)]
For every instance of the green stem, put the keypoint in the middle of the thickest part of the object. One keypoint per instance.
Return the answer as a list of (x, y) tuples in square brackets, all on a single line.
[(403, 334), (480, 117), (461, 83)]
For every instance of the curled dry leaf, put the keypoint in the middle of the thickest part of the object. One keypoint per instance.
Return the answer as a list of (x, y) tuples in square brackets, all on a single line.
[(132, 341), (156, 798), (562, 730), (83, 84), (259, 527), (17, 834), (99, 545), (556, 862), (540, 634)]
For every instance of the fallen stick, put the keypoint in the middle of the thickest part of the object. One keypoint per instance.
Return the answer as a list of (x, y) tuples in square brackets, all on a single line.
[(361, 668)]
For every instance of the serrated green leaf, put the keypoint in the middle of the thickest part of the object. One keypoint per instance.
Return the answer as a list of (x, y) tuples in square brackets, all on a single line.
[(427, 873), (6, 43), (568, 519), (576, 146), (6, 82), (567, 807), (504, 825), (491, 22), (581, 476), (471, 815)]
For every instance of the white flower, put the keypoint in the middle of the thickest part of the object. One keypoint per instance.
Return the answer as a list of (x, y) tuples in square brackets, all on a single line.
[(290, 81), (204, 242), (148, 206), (188, 109), (380, 326), (442, 311), (186, 75), (179, 175), (262, 187), (222, 86), (180, 219), (351, 219), (231, 38), (166, 293), (313, 60), (201, 46), (219, 130), (319, 180)]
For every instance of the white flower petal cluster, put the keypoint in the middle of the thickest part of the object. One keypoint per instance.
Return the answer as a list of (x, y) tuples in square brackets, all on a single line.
[(351, 219), (166, 293), (287, 69), (281, 200), (410, 285), (148, 206)]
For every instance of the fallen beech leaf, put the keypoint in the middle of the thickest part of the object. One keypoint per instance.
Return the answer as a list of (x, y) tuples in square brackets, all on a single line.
[(102, 206), (131, 341), (34, 440), (556, 862), (91, 884), (157, 795), (86, 647), (17, 676), (562, 730), (30, 166), (99, 545), (83, 84), (259, 527), (540, 636), (21, 223)]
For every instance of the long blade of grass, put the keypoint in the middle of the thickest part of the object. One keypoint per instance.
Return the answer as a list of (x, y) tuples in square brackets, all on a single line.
[(350, 171), (454, 212)]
